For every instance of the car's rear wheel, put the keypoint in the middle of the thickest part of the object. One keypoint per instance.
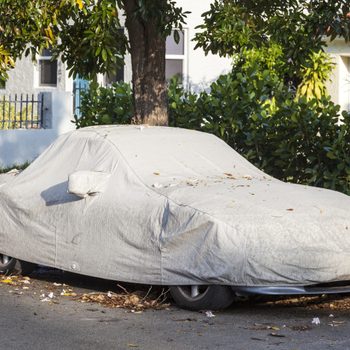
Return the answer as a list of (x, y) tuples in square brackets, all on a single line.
[(9, 265), (211, 297)]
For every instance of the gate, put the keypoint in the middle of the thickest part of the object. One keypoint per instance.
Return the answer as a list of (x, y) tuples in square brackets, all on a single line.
[(21, 112)]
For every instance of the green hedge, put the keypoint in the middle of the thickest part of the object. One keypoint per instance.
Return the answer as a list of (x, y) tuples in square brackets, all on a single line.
[(105, 105)]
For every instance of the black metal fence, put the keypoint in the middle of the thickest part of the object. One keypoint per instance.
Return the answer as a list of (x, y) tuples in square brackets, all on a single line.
[(22, 111)]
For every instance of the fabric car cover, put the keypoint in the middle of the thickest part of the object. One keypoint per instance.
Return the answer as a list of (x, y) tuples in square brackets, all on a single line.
[(176, 207)]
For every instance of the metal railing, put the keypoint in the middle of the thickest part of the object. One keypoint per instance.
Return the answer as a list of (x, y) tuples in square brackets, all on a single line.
[(22, 111)]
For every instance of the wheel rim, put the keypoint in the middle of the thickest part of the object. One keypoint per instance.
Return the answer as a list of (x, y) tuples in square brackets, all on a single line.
[(194, 292), (4, 259)]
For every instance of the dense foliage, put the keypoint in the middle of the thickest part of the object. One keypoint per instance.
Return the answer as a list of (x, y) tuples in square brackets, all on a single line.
[(92, 37), (105, 105), (85, 33), (299, 27)]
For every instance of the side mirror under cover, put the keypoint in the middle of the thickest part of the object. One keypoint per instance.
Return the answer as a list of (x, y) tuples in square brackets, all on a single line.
[(85, 183)]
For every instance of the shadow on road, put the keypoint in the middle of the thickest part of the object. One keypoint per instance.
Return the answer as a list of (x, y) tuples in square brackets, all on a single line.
[(47, 274), (255, 304)]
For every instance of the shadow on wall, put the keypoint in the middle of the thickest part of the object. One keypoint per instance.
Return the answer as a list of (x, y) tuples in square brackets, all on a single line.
[(21, 145)]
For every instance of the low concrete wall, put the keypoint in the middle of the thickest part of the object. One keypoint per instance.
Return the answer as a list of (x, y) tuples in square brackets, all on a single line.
[(21, 145)]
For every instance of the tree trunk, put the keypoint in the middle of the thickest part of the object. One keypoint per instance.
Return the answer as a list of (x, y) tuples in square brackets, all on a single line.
[(147, 48)]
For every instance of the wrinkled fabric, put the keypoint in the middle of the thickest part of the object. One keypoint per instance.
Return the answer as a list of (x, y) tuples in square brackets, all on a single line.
[(176, 207)]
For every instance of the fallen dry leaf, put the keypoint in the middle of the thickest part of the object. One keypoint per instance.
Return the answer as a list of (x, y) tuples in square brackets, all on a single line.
[(132, 301), (230, 176), (24, 281), (336, 323), (328, 302), (14, 280), (8, 281), (68, 293), (300, 328), (262, 327), (277, 335)]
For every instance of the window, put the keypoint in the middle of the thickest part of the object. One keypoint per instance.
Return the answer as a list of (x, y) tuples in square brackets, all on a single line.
[(47, 69), (175, 56)]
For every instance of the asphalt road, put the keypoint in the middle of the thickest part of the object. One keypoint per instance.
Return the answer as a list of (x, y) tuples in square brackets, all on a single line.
[(31, 320)]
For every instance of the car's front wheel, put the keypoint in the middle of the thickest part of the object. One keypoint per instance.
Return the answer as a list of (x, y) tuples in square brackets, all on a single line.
[(9, 265), (211, 297)]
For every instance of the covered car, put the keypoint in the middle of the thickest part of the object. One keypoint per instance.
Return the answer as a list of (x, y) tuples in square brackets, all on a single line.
[(175, 207)]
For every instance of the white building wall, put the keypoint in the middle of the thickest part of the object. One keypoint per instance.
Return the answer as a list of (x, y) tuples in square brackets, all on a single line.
[(24, 79), (20, 78), (339, 85), (202, 69)]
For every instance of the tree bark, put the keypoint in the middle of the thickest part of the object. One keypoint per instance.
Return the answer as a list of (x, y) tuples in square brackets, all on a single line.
[(147, 49)]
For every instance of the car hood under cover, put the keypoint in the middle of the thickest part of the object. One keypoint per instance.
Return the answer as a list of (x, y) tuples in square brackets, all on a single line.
[(180, 207)]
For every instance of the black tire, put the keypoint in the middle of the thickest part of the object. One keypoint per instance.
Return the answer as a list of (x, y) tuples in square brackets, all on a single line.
[(24, 268), (9, 265), (211, 297)]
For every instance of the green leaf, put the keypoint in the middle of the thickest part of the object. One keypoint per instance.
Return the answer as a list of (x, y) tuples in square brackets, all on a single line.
[(104, 54), (98, 51), (331, 155)]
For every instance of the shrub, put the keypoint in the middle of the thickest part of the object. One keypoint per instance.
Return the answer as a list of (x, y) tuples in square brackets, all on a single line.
[(14, 166), (105, 105)]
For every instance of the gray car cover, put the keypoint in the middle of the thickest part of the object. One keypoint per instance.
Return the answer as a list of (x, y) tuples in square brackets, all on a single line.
[(161, 205)]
